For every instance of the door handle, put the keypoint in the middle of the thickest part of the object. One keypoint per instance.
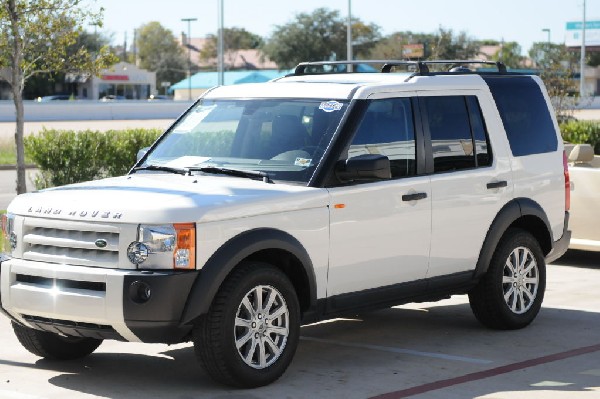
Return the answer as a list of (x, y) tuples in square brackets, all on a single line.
[(414, 197), (497, 184)]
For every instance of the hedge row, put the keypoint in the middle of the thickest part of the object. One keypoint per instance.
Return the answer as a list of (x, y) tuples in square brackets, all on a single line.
[(581, 132), (67, 156)]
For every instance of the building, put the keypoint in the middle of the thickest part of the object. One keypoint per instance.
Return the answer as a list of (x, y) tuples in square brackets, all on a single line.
[(121, 81), (202, 81)]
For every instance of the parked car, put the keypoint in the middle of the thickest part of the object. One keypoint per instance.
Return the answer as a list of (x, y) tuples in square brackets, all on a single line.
[(584, 168), (55, 97), (271, 205), (112, 97)]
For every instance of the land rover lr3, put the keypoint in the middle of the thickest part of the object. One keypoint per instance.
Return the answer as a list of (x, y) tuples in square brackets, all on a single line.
[(266, 206)]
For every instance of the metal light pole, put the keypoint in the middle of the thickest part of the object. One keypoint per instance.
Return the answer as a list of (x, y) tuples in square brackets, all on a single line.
[(548, 32), (220, 56), (582, 61), (349, 55), (189, 46)]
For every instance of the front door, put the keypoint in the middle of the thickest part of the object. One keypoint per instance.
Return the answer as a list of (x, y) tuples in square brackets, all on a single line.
[(380, 230)]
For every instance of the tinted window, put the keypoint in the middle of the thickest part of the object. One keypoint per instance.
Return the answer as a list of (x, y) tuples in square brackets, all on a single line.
[(480, 138), (450, 129), (387, 129), (524, 113)]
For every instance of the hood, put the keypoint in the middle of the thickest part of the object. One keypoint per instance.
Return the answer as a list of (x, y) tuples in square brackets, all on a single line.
[(166, 198)]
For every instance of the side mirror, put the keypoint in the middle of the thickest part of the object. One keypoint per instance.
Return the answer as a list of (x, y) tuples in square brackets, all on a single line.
[(364, 167), (142, 152)]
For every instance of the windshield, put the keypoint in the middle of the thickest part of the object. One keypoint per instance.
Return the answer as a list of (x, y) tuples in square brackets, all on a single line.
[(284, 138)]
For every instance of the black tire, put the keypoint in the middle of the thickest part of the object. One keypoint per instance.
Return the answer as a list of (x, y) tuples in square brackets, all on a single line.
[(215, 334), (53, 346), (507, 297)]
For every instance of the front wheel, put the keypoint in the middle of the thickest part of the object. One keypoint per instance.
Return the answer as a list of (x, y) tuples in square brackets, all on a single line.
[(53, 346), (510, 294), (250, 334)]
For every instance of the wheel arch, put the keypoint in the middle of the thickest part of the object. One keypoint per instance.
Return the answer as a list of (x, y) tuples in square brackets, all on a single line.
[(272, 246), (523, 213)]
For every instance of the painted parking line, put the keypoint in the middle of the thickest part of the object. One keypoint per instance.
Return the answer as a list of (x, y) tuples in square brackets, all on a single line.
[(398, 350), (480, 375)]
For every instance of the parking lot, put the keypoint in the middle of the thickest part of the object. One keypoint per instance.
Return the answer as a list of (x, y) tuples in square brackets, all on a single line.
[(428, 350)]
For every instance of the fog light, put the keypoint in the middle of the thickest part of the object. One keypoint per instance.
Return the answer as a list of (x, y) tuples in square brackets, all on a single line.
[(140, 292), (137, 252)]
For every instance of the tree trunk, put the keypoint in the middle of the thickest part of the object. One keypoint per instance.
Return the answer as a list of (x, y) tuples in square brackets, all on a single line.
[(17, 84), (21, 183)]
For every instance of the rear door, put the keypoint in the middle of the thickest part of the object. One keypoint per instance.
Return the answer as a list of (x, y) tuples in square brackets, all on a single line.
[(470, 176)]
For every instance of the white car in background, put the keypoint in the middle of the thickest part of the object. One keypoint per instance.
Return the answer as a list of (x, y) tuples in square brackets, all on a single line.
[(584, 169)]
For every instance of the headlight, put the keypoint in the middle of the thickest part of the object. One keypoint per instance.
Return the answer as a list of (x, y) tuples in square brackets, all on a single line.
[(9, 237), (169, 246)]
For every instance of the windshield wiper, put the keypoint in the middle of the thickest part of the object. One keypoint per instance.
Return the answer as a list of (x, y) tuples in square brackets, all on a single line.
[(169, 169), (252, 174)]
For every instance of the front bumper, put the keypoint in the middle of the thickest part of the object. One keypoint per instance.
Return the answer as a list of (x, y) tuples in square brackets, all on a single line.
[(142, 306)]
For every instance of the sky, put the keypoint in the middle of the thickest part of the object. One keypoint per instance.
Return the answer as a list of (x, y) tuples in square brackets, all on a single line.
[(509, 20)]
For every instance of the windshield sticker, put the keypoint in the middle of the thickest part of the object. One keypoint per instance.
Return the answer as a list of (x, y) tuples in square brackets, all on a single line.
[(194, 118), (330, 106), (302, 162)]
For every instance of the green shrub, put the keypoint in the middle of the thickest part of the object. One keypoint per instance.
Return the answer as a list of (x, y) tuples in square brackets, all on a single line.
[(581, 132), (66, 156)]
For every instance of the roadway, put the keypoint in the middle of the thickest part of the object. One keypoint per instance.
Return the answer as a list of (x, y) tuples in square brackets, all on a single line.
[(422, 351)]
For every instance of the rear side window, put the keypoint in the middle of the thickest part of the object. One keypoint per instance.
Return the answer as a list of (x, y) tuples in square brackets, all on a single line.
[(525, 115), (458, 135)]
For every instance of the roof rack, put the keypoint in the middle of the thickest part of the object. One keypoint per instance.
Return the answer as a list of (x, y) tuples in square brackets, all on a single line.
[(421, 67)]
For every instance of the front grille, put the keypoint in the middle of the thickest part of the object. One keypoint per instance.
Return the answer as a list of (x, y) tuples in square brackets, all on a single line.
[(61, 283), (73, 243)]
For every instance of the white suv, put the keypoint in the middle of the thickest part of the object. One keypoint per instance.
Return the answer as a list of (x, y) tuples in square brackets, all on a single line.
[(266, 206)]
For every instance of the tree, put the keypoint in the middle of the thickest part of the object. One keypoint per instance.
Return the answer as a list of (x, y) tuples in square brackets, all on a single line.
[(556, 64), (44, 84), (392, 46), (319, 36), (447, 46), (35, 37), (234, 39), (509, 54), (441, 45), (158, 51)]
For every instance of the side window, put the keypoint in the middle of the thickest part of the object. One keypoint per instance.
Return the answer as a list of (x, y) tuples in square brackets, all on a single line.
[(524, 113), (480, 137), (458, 133), (451, 140), (387, 129)]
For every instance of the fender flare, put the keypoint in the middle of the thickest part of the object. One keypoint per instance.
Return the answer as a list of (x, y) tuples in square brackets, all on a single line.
[(508, 214), (230, 254)]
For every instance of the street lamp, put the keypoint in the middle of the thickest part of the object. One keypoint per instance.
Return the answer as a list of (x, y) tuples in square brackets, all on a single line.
[(349, 54), (582, 60), (548, 32), (221, 44), (189, 46)]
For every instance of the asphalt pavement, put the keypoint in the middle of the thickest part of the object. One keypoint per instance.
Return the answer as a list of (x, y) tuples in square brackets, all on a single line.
[(424, 351)]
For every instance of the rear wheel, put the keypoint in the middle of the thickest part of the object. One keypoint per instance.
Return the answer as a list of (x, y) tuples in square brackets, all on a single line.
[(250, 334), (53, 346), (510, 295)]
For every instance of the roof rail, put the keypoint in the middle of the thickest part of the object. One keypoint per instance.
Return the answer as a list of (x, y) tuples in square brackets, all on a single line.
[(421, 67)]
